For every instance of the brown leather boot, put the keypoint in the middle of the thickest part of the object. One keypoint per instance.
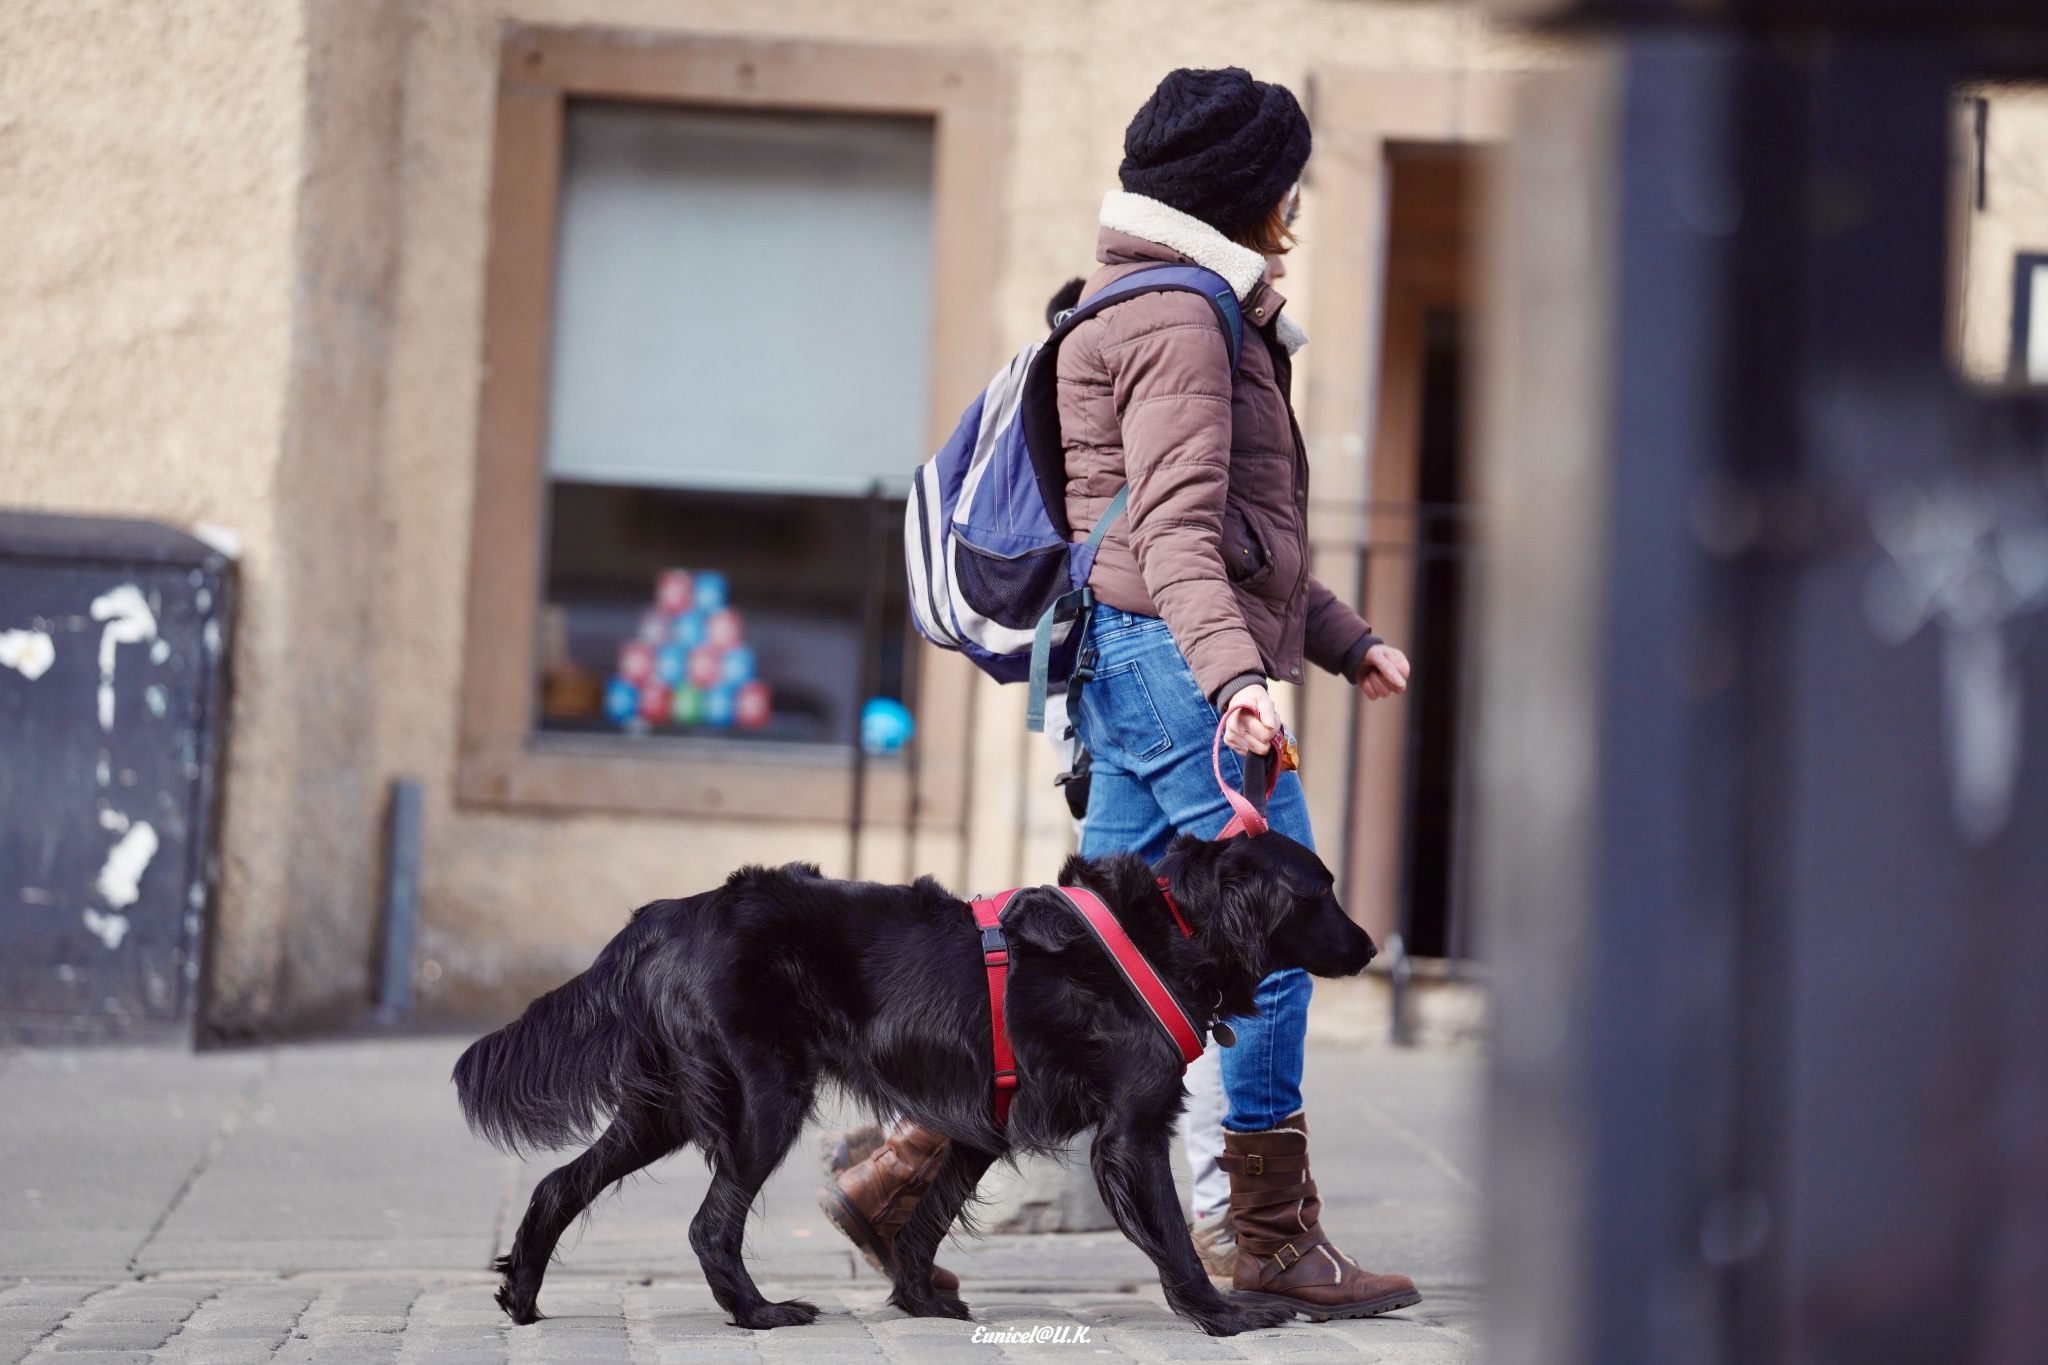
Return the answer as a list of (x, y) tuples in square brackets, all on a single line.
[(1284, 1259), (871, 1201)]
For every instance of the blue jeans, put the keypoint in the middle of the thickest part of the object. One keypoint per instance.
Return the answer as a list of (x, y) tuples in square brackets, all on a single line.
[(1149, 730)]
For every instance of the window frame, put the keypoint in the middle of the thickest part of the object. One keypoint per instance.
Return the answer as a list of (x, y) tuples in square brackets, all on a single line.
[(505, 760)]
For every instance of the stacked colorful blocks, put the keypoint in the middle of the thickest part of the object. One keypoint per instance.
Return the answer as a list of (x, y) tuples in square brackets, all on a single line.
[(689, 664)]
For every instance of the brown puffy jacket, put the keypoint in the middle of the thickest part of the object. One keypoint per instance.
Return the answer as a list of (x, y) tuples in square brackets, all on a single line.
[(1214, 538)]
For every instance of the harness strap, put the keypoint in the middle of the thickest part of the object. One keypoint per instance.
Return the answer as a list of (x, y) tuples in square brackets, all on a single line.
[(995, 956), (1137, 971)]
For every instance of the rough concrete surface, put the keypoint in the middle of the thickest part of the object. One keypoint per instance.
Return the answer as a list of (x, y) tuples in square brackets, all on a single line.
[(323, 1202)]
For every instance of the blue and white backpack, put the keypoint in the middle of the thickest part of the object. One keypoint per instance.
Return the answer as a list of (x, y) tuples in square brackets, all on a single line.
[(994, 572)]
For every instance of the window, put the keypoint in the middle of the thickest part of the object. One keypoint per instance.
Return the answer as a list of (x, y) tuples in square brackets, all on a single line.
[(739, 382), (734, 288)]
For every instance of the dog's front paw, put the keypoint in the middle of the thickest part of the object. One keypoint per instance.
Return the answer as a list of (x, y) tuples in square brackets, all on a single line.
[(522, 1306), (788, 1313), (1233, 1318)]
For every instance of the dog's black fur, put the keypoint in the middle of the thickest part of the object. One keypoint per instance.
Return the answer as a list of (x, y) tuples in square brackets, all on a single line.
[(716, 1019)]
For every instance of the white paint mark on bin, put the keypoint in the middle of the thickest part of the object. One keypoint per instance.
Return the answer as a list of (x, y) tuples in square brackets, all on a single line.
[(27, 652), (109, 929), (120, 879), (129, 622)]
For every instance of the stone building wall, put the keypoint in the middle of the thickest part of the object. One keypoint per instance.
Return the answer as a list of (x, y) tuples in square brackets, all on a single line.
[(244, 289)]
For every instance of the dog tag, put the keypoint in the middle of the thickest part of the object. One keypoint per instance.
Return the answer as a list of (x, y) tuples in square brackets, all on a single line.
[(1223, 1033)]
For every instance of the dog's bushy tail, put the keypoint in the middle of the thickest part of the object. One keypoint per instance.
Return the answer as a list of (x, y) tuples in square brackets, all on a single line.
[(554, 1076)]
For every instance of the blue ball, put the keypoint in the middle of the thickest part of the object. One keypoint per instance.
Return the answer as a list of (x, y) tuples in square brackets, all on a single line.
[(687, 630), (718, 706), (738, 666), (885, 725), (710, 590), (670, 663), (621, 701)]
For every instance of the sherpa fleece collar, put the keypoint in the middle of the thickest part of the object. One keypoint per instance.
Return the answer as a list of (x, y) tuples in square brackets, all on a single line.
[(1242, 267)]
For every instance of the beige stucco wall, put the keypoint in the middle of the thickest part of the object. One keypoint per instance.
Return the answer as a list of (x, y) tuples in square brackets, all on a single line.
[(193, 200), (244, 287)]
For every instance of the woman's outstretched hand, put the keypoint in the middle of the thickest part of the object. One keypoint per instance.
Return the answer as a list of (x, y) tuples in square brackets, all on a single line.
[(1385, 672), (1253, 732)]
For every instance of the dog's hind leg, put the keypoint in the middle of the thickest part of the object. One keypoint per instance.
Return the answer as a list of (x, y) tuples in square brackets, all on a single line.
[(632, 1141), (959, 1174), (757, 1136), (1135, 1175)]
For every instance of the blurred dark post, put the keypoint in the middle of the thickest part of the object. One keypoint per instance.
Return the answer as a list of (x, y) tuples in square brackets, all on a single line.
[(1762, 829), (401, 901)]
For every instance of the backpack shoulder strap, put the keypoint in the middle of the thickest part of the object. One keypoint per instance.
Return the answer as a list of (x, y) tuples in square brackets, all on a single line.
[(1039, 409), (1161, 279)]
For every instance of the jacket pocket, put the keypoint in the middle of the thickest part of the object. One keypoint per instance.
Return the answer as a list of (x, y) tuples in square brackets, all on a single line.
[(1246, 559)]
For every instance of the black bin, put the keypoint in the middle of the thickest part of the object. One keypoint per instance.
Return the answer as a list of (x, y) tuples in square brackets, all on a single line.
[(114, 643)]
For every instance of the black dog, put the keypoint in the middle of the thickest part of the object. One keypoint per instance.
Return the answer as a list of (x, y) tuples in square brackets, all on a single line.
[(715, 1020)]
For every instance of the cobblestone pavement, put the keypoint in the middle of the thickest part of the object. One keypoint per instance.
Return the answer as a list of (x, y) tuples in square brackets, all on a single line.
[(322, 1202), (443, 1321)]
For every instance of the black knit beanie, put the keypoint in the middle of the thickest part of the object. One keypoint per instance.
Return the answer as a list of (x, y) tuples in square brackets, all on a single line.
[(1217, 145)]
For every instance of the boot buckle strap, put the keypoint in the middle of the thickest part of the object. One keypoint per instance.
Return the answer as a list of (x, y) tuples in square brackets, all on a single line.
[(1274, 1198), (1287, 1257), (1258, 1163)]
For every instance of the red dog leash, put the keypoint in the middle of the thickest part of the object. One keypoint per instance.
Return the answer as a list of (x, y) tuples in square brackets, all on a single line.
[(1249, 819)]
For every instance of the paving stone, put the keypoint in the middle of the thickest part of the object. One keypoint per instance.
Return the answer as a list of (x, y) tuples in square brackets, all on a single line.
[(28, 1294), (1154, 1345), (117, 1307), (111, 1336)]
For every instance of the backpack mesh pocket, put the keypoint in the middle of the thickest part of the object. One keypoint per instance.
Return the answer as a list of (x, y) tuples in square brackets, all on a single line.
[(1014, 590)]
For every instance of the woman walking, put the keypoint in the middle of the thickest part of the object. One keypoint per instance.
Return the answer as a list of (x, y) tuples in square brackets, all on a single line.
[(1204, 593)]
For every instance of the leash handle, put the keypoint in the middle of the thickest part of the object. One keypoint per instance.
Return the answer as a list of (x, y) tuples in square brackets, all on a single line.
[(1250, 815)]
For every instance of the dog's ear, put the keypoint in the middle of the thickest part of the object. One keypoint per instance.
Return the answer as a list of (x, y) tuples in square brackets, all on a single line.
[(1041, 917), (1251, 903)]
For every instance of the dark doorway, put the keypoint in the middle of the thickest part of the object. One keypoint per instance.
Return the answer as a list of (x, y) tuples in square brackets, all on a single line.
[(1430, 835)]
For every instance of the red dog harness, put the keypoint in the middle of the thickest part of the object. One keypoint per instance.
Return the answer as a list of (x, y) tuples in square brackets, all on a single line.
[(1137, 972), (1247, 819)]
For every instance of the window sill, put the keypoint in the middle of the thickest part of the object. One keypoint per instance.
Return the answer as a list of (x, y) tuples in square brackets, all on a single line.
[(658, 775)]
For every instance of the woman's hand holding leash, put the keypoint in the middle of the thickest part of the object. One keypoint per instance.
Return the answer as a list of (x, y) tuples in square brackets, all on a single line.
[(1253, 729)]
